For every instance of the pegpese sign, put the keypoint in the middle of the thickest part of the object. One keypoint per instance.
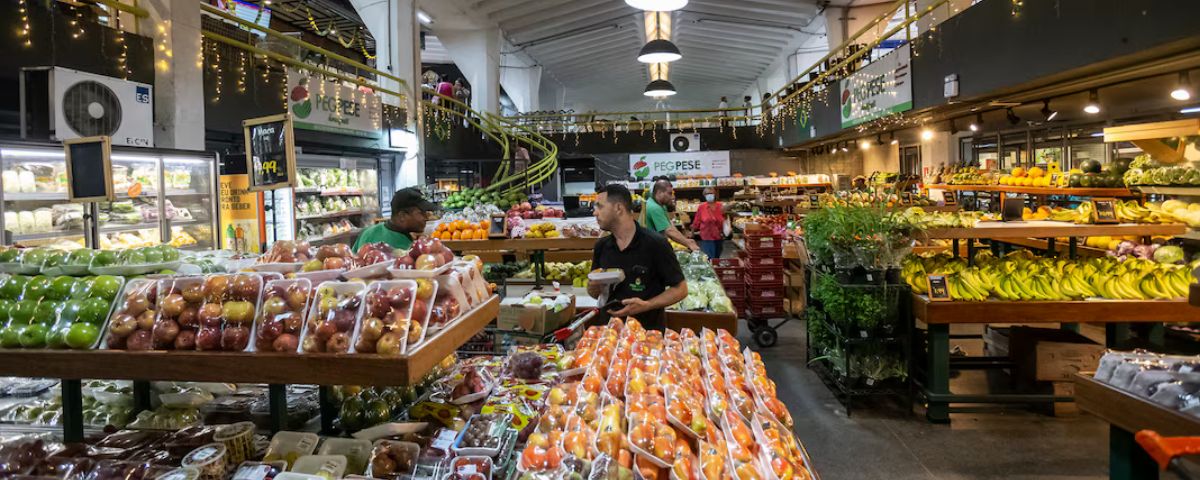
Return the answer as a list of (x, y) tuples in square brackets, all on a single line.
[(644, 166)]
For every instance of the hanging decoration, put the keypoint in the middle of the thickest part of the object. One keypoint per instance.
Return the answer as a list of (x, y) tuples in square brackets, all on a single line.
[(25, 33)]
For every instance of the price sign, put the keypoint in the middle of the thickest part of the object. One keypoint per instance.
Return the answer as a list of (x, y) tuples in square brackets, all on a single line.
[(498, 228), (270, 152), (814, 200), (950, 197), (89, 169), (906, 198), (1106, 210), (938, 291)]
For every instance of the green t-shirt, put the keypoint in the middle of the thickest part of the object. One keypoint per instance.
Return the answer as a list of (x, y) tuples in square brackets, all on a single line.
[(380, 232), (656, 216)]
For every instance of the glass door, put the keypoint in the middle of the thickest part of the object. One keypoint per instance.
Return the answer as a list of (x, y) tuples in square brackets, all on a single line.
[(336, 198), (133, 219), (36, 210), (188, 202)]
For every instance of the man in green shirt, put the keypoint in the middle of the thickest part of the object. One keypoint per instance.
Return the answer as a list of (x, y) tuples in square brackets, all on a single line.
[(409, 211), (661, 195)]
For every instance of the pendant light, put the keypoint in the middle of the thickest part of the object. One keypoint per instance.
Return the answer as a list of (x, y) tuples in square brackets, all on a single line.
[(659, 88), (659, 51), (657, 5), (1183, 91), (1093, 105)]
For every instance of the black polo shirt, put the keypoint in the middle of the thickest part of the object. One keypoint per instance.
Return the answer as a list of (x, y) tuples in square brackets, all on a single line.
[(650, 267)]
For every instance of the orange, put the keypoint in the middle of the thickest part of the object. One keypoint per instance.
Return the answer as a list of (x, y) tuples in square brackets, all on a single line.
[(456, 236), (468, 233), (481, 234), (485, 225)]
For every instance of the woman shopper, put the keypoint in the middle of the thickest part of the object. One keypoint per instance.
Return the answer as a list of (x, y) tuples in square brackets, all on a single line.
[(710, 222)]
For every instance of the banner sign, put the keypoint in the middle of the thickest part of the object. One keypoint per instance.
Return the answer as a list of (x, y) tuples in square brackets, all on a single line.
[(644, 166), (239, 215), (322, 105), (882, 88)]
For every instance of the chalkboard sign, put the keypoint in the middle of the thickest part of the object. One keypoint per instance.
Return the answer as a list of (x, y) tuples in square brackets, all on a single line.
[(814, 200), (1106, 210), (270, 152), (1014, 211), (89, 169), (938, 291), (950, 197), (498, 228)]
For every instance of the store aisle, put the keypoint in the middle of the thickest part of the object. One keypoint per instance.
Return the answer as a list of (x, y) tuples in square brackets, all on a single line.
[(883, 443)]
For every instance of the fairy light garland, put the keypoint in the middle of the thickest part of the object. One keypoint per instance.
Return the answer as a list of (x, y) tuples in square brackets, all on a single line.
[(25, 31)]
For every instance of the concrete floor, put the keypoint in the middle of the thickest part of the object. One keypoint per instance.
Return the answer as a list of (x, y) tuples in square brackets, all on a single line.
[(878, 442)]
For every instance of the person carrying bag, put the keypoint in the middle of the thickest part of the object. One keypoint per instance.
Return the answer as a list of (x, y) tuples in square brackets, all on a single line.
[(711, 224)]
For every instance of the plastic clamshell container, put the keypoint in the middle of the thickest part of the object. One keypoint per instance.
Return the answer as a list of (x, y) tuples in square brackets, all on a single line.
[(489, 385), (412, 449), (472, 281), (181, 473), (414, 273), (261, 316), (318, 277), (669, 393), (130, 270), (496, 432), (259, 470), (607, 277), (238, 439), (449, 284), (382, 287), (282, 267), (288, 446), (209, 460), (62, 323), (464, 465), (325, 466), (356, 451), (340, 289), (119, 303), (370, 271)]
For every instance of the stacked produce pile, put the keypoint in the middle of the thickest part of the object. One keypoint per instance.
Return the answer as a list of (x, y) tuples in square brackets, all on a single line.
[(1144, 170), (1128, 211), (1167, 380), (1021, 276), (917, 217), (705, 293)]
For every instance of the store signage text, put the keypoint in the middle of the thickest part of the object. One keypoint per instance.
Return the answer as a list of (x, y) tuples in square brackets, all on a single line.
[(882, 88), (650, 165), (329, 106)]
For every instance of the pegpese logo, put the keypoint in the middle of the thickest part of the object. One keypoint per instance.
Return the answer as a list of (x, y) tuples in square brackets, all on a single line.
[(847, 104), (641, 169), (301, 104)]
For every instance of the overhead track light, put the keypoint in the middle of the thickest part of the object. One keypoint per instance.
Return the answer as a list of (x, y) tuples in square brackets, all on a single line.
[(879, 139), (953, 127), (864, 144), (1047, 112), (926, 134), (1012, 116), (657, 5), (659, 51), (1093, 105), (894, 140), (1183, 91), (659, 88)]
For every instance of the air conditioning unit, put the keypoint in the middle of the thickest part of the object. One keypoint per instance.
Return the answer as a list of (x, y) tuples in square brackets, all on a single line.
[(685, 142), (82, 104)]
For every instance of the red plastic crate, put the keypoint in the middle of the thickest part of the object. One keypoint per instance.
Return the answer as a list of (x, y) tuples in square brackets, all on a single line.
[(764, 277), (765, 293), (771, 311), (768, 262), (736, 294), (763, 242), (727, 263), (731, 275)]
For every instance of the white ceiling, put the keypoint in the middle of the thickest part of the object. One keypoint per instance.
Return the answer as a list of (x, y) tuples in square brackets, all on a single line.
[(590, 47)]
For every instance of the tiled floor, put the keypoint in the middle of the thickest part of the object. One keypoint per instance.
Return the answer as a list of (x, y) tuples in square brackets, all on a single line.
[(886, 443)]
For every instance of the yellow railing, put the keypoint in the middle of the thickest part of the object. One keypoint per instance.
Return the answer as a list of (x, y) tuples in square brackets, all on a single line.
[(448, 111), (782, 103)]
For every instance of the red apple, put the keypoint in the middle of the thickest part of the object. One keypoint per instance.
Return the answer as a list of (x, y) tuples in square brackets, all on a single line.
[(116, 342), (420, 309), (292, 322), (208, 338), (338, 343), (326, 330), (194, 293), (270, 330), (334, 263), (372, 328), (145, 321), (235, 339), (364, 345), (378, 303), (327, 251), (388, 344), (312, 344), (447, 256), (296, 296), (399, 297), (165, 331), (123, 324), (136, 304), (285, 343), (343, 320), (210, 315), (404, 263), (272, 306), (245, 287), (189, 317), (140, 340), (186, 340), (172, 305), (216, 286)]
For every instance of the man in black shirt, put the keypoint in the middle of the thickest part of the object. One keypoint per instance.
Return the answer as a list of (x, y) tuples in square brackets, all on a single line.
[(653, 278)]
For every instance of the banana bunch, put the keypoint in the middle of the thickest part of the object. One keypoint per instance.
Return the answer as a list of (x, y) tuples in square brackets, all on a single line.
[(1020, 276), (1131, 212), (1085, 213)]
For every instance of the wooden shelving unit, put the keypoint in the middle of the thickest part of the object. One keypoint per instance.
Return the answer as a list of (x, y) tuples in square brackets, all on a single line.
[(1049, 229), (1078, 192), (1092, 311)]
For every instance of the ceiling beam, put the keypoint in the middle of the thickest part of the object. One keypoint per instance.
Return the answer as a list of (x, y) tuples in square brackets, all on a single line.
[(529, 28), (582, 45), (543, 9), (721, 30)]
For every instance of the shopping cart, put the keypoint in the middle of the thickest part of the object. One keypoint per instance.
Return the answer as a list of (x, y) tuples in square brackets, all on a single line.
[(1168, 452)]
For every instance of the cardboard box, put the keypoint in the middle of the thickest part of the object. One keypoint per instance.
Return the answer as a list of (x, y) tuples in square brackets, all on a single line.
[(534, 320), (1050, 355)]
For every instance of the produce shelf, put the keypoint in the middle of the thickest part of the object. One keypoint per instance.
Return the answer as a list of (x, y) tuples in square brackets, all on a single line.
[(1091, 311), (1050, 229), (344, 213), (1181, 191), (256, 367), (35, 196), (1127, 414), (47, 235), (328, 192), (523, 244), (1078, 192), (1061, 248), (128, 227)]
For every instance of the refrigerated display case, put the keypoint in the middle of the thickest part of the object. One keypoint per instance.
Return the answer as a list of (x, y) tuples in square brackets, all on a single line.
[(36, 210), (334, 199)]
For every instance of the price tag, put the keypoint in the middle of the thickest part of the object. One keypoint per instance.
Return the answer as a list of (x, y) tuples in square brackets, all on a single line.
[(950, 197), (938, 291), (1106, 210), (89, 169), (270, 152)]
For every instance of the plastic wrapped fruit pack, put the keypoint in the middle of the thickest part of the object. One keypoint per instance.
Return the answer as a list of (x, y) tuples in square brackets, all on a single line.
[(281, 318), (332, 317), (55, 312), (211, 313), (287, 251), (387, 326), (449, 302), (132, 324)]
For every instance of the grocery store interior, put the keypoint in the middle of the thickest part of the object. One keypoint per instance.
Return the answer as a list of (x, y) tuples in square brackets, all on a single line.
[(599, 239)]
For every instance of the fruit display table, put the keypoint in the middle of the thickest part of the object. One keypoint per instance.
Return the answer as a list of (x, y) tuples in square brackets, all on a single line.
[(1116, 315), (1127, 414), (535, 247), (275, 369), (1077, 192), (1049, 230)]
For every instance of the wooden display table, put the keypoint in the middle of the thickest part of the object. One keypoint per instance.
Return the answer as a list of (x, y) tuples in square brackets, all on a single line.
[(1116, 315), (1127, 414), (1048, 230), (679, 320), (1077, 192), (275, 369)]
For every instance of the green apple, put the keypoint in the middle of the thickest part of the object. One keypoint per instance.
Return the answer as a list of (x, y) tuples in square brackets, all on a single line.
[(104, 258), (10, 337), (82, 288), (82, 335), (60, 288), (33, 336), (36, 288), (46, 313), (12, 288), (70, 311), (152, 254), (169, 253), (9, 255), (22, 312), (56, 338), (94, 310), (105, 287)]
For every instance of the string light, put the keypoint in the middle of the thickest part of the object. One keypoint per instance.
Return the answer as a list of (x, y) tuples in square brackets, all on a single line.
[(78, 26), (241, 81), (25, 32)]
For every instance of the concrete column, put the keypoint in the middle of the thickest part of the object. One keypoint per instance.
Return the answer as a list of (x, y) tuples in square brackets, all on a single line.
[(397, 32), (477, 53), (178, 77), (523, 84)]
